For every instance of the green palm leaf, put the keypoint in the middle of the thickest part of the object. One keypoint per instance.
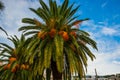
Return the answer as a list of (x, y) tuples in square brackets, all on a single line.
[(4, 31), (59, 52), (64, 6), (44, 6), (47, 55)]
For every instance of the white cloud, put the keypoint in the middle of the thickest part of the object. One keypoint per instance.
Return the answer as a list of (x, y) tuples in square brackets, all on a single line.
[(104, 4), (108, 49), (89, 23), (104, 64), (101, 27), (116, 16), (108, 31), (116, 62), (14, 12), (102, 23)]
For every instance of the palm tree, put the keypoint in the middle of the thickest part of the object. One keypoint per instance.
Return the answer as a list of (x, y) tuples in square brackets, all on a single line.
[(15, 67), (58, 47)]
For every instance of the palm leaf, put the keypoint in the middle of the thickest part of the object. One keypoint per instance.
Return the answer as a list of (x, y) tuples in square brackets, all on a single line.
[(47, 55), (44, 6), (51, 7), (78, 21), (58, 40), (3, 30), (7, 46), (72, 12), (55, 13), (81, 32), (43, 14), (64, 6), (89, 41), (67, 12), (30, 32), (24, 28), (28, 20)]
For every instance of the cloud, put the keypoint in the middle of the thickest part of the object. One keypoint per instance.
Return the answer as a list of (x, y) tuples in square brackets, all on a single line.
[(14, 12), (116, 62), (101, 27), (116, 16), (108, 31), (102, 23), (108, 48), (104, 34), (104, 64), (104, 4)]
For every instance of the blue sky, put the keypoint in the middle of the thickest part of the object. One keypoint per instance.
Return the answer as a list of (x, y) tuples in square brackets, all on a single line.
[(104, 27)]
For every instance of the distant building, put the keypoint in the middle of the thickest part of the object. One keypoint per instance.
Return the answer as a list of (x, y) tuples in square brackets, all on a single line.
[(104, 77), (117, 76), (114, 77), (88, 77)]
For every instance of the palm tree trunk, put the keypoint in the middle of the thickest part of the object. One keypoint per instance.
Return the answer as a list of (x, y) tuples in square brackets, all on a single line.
[(56, 74)]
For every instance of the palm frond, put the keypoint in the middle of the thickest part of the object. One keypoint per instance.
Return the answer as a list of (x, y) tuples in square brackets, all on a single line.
[(6, 46), (67, 12), (44, 6), (30, 32), (4, 31), (88, 40), (48, 55), (73, 11), (28, 20), (81, 32), (51, 7), (58, 40), (64, 6), (55, 9), (79, 21)]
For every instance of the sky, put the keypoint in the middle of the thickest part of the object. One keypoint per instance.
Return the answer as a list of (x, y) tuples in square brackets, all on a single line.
[(103, 26)]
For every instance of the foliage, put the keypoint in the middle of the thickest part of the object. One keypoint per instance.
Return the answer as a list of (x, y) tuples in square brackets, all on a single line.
[(56, 39), (15, 67)]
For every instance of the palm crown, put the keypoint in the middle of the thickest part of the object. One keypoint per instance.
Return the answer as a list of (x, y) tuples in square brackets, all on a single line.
[(56, 46), (15, 67), (57, 40)]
